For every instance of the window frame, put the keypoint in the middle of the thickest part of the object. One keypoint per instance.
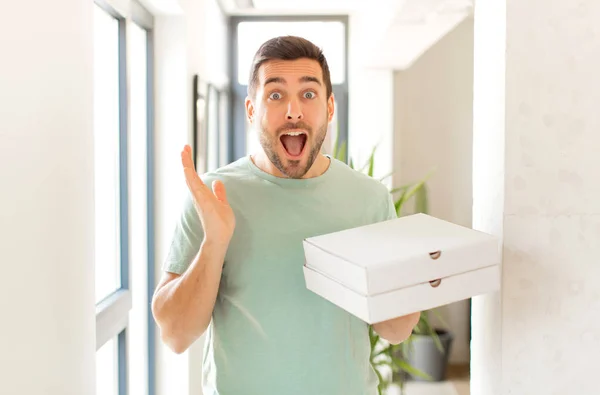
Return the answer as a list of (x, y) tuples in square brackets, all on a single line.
[(112, 312), (237, 128)]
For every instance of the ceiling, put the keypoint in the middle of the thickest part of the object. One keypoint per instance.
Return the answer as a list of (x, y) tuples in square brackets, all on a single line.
[(391, 33), (294, 6)]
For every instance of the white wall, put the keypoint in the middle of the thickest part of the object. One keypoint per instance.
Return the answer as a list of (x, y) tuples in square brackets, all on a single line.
[(433, 132), (371, 103), (47, 337), (549, 309)]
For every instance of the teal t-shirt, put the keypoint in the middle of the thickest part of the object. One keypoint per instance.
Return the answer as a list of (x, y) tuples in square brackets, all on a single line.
[(269, 335)]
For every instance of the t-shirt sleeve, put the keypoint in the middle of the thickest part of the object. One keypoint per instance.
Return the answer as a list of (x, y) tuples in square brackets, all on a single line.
[(186, 239)]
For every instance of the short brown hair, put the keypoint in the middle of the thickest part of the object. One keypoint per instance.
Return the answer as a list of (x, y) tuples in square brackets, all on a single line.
[(287, 48)]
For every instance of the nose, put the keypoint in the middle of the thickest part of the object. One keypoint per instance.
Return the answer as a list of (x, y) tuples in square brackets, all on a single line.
[(294, 111)]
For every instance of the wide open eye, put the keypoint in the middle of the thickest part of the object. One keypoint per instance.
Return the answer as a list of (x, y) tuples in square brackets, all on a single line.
[(309, 95)]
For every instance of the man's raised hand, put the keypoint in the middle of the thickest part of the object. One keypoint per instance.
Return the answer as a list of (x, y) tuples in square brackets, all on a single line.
[(211, 205)]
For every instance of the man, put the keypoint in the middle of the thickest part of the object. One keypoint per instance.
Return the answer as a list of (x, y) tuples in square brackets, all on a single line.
[(236, 257)]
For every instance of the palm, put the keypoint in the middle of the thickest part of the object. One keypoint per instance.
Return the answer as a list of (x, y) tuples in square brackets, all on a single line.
[(213, 209)]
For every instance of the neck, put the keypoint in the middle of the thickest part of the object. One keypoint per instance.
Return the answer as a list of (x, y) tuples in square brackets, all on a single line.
[(320, 165)]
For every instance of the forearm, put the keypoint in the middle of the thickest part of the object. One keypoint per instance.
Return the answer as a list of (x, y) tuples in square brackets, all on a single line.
[(183, 307), (397, 330)]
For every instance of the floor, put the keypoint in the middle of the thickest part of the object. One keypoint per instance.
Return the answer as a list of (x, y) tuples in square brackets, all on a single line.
[(457, 384), (459, 376)]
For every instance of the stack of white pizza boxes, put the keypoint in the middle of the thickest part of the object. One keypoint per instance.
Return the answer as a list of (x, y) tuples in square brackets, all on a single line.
[(397, 267)]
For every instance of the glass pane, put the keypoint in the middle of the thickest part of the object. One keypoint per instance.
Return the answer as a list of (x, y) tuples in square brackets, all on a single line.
[(107, 373), (330, 36), (106, 152), (137, 342)]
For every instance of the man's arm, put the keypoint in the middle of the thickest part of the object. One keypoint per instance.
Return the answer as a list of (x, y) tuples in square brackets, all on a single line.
[(397, 330), (183, 304)]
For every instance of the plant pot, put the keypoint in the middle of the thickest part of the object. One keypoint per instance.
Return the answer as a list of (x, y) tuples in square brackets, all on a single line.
[(426, 356)]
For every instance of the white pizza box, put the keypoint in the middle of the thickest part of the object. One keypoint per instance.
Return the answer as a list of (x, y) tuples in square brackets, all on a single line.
[(401, 266)]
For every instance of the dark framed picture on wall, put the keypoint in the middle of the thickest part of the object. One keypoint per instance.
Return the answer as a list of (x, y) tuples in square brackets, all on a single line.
[(210, 120)]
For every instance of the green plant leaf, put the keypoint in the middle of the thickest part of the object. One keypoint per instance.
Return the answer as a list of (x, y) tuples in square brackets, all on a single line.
[(381, 363), (421, 201), (400, 189), (405, 366), (439, 316), (424, 328), (374, 338), (335, 146), (342, 151), (438, 343), (414, 189), (381, 380), (371, 163), (399, 203), (424, 324), (408, 346), (386, 176)]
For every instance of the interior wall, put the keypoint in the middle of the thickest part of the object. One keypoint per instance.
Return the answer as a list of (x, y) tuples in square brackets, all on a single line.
[(433, 132), (547, 166), (47, 337)]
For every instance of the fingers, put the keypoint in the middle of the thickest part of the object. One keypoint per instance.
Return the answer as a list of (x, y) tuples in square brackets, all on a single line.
[(194, 182), (191, 177), (186, 158), (219, 191)]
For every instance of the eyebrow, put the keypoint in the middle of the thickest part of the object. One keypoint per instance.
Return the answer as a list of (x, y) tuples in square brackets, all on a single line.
[(279, 80)]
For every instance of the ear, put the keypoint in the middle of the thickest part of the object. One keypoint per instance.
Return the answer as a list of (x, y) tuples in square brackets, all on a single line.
[(249, 109), (331, 106)]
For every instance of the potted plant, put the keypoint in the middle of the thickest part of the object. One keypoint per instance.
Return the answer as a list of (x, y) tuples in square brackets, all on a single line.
[(427, 350), (424, 355)]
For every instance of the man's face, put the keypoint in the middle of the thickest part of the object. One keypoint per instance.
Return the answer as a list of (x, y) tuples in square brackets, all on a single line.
[(290, 112)]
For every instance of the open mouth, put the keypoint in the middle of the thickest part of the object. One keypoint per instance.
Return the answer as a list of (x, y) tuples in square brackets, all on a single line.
[(294, 142)]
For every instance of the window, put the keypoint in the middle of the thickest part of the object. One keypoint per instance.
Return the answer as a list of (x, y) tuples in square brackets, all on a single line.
[(248, 33), (107, 369), (123, 185), (328, 35), (138, 213)]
